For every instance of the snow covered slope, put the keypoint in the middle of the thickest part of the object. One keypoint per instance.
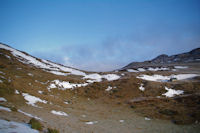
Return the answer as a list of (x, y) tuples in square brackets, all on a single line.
[(54, 68), (44, 64)]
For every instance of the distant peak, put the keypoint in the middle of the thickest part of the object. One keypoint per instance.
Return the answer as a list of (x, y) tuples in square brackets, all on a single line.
[(192, 56), (162, 56), (195, 51)]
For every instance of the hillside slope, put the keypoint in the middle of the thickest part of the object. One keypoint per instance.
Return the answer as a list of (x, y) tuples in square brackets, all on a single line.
[(71, 100)]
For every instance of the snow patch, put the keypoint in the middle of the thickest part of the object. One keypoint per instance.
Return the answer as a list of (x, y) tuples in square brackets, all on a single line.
[(154, 77), (141, 69), (32, 99), (131, 70), (90, 81), (158, 69), (30, 74), (2, 99), (29, 115), (109, 88), (111, 77), (147, 119), (142, 87), (184, 76), (63, 85), (2, 77), (172, 92), (66, 102), (16, 92), (180, 67), (5, 109), (83, 116), (15, 127), (58, 73), (121, 121), (51, 86), (161, 78), (91, 122), (7, 56), (59, 113), (98, 78), (2, 73), (40, 92)]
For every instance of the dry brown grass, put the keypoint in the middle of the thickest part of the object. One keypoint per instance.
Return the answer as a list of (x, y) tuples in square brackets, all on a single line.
[(181, 110)]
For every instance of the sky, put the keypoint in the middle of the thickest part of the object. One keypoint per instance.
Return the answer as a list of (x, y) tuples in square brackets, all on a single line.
[(100, 35)]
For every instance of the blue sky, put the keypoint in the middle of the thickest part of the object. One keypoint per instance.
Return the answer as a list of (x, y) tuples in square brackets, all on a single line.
[(100, 35)]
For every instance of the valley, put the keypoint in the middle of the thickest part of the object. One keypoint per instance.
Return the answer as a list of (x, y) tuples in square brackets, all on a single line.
[(158, 97)]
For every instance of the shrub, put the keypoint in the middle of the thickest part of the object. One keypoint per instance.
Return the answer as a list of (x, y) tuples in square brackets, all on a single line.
[(35, 124), (14, 109), (52, 130)]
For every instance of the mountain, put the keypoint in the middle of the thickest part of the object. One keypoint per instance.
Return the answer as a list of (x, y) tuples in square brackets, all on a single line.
[(189, 57), (192, 56), (50, 67), (71, 100)]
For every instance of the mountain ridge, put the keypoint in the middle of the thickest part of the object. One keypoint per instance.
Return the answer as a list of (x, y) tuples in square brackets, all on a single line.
[(163, 59)]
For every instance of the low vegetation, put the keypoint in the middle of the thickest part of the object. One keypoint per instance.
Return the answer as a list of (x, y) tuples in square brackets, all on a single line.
[(50, 130), (35, 124), (14, 109)]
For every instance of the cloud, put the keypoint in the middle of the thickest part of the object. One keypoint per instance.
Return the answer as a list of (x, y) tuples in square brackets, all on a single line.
[(118, 51), (67, 62)]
